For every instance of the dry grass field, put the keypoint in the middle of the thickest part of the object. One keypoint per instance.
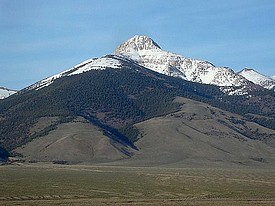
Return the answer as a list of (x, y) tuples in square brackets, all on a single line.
[(48, 184)]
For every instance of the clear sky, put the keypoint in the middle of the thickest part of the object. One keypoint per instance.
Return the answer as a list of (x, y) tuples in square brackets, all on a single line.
[(40, 38)]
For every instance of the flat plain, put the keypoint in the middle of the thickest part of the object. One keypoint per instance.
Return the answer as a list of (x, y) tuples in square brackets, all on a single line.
[(52, 184)]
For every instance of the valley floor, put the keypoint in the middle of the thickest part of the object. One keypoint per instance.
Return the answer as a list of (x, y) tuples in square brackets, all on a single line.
[(50, 184)]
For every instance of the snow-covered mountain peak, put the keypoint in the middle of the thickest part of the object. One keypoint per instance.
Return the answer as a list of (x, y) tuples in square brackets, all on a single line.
[(147, 53), (4, 92), (137, 43), (257, 78), (246, 69)]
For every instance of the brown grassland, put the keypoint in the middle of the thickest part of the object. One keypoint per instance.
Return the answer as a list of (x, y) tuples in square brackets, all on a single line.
[(81, 185)]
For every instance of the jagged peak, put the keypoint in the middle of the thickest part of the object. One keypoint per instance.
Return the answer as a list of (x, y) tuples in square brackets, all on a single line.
[(137, 43)]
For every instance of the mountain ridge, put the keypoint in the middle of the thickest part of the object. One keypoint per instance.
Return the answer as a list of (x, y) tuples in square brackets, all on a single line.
[(257, 78), (5, 92), (172, 64)]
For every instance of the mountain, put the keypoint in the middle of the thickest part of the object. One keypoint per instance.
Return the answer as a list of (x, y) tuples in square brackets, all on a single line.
[(147, 53), (257, 78), (100, 115), (113, 109), (4, 92), (273, 77)]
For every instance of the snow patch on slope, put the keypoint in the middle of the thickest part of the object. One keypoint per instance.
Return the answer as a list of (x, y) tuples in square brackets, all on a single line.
[(100, 64), (233, 91), (4, 92)]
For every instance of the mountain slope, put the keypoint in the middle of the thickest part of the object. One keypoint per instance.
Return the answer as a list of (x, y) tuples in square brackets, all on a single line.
[(73, 142), (257, 78), (147, 53), (4, 92), (200, 135)]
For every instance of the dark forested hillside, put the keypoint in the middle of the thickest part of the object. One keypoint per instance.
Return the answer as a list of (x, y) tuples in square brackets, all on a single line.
[(3, 154), (117, 98)]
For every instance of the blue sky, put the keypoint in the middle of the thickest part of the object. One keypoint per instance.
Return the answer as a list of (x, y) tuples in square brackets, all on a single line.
[(41, 38)]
